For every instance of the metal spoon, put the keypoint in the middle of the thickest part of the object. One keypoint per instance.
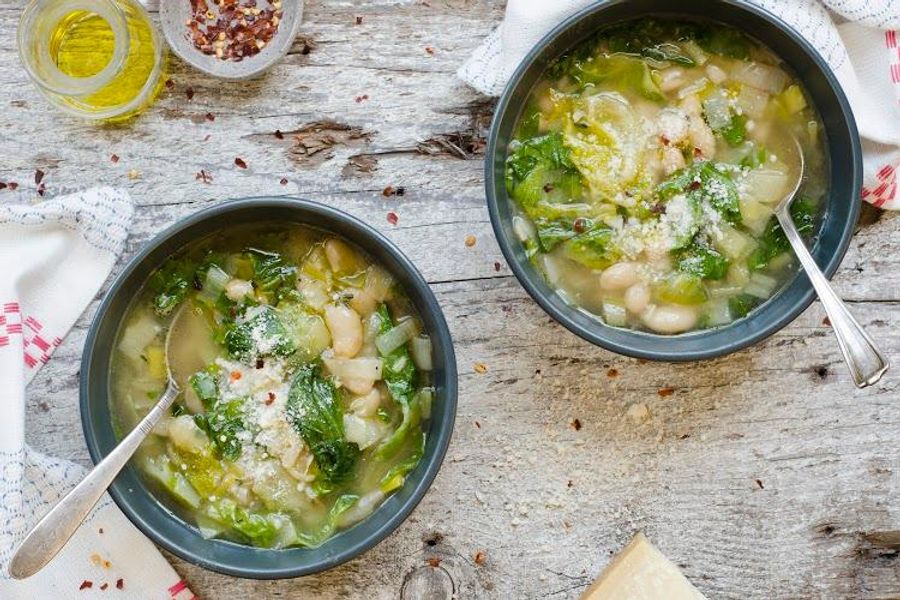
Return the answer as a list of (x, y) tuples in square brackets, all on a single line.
[(867, 363), (52, 532)]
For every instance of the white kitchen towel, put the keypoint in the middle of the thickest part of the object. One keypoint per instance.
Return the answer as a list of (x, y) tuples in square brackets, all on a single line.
[(863, 51), (54, 257)]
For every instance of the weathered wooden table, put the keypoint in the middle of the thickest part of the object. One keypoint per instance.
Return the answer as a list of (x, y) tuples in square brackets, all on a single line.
[(764, 474)]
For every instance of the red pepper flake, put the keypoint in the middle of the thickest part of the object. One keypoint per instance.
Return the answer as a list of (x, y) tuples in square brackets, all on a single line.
[(170, 84), (575, 424), (259, 363), (665, 141), (239, 162), (235, 30), (271, 398), (358, 20), (86, 584), (694, 185), (580, 225), (760, 484), (13, 186), (120, 583), (235, 375), (210, 117), (434, 562), (114, 158), (569, 484), (826, 322), (392, 218), (666, 391), (361, 98), (103, 586), (480, 558), (548, 187), (612, 373), (429, 50), (2, 185), (480, 368), (278, 134), (477, 425), (38, 176), (203, 176), (283, 181), (698, 153), (100, 530), (471, 240), (497, 267), (189, 92), (41, 189)]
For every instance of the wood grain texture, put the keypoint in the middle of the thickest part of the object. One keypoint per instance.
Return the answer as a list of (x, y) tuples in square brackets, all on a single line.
[(764, 475)]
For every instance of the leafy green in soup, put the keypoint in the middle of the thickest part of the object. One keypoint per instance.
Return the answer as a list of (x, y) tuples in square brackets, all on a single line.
[(310, 408), (646, 167)]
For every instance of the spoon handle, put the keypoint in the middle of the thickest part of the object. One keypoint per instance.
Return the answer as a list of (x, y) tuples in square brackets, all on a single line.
[(867, 363), (51, 533)]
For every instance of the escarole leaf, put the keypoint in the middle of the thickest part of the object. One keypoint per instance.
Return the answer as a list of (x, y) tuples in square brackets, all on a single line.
[(313, 410), (261, 333)]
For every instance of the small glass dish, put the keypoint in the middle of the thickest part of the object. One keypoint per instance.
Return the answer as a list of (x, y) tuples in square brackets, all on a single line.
[(98, 59), (176, 17)]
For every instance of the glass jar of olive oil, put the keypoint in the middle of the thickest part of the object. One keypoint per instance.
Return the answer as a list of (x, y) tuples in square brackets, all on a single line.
[(100, 59)]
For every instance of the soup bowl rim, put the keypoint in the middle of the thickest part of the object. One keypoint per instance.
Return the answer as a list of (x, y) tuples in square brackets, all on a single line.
[(636, 343), (253, 561)]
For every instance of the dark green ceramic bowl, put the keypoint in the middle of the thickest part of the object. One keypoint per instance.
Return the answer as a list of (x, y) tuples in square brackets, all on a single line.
[(841, 204), (153, 517)]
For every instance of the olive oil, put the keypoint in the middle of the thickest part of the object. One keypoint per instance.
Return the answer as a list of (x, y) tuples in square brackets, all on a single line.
[(105, 57)]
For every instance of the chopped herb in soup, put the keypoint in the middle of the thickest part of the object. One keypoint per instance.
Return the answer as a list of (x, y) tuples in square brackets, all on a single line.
[(646, 167), (307, 409)]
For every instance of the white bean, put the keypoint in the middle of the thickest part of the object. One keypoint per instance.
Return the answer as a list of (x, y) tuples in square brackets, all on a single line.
[(346, 329), (185, 434), (238, 289), (670, 318), (716, 74), (366, 406), (619, 276), (637, 298), (672, 159), (340, 256), (671, 79)]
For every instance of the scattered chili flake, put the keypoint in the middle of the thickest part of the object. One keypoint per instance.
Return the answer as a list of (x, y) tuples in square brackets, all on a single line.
[(210, 116), (666, 391), (567, 525), (239, 162), (826, 321), (470, 241), (2, 185), (575, 424), (120, 583), (13, 186), (270, 399), (41, 189), (106, 564), (114, 158), (361, 98), (134, 174), (760, 484), (235, 375), (203, 176), (480, 558), (283, 181), (477, 425), (259, 363), (401, 190), (580, 225), (497, 266), (666, 141), (103, 586), (698, 152), (548, 187), (480, 368), (170, 84), (694, 185), (569, 484), (392, 218), (100, 530), (429, 50), (87, 583), (358, 20), (388, 191), (612, 373), (278, 134), (38, 176), (434, 562), (189, 92)]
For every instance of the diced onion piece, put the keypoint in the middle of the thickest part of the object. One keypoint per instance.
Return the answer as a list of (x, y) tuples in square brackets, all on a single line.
[(755, 215), (209, 528), (353, 368), (766, 185), (396, 336), (792, 99), (614, 314), (378, 283), (761, 286), (738, 274), (752, 101), (697, 53), (213, 285), (734, 244), (523, 228), (717, 110), (719, 313), (764, 77), (137, 335), (426, 399), (695, 88), (781, 261), (362, 432), (420, 350), (717, 291)]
